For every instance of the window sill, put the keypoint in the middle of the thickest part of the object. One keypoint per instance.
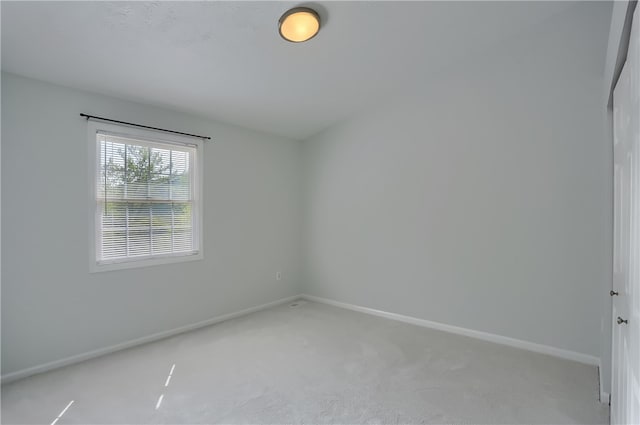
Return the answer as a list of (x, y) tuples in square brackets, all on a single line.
[(149, 262)]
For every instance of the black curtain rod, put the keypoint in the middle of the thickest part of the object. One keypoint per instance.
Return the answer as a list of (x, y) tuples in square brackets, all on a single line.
[(144, 126)]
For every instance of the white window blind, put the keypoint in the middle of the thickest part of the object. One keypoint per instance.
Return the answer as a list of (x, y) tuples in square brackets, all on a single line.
[(145, 206)]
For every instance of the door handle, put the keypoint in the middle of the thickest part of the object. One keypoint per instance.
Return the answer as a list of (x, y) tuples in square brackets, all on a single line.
[(621, 320), (612, 293)]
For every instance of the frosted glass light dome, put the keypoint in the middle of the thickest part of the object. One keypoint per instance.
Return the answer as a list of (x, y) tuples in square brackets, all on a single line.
[(299, 24)]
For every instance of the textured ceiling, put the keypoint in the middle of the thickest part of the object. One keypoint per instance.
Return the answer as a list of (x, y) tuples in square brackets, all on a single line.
[(226, 61)]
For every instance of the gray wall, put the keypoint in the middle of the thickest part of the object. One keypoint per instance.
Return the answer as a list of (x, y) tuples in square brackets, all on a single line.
[(481, 200), (52, 307)]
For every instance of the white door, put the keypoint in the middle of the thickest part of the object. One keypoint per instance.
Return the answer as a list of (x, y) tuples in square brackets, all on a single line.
[(625, 388)]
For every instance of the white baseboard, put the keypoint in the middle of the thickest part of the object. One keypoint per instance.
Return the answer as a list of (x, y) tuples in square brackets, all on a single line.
[(485, 336), (604, 396), (9, 377)]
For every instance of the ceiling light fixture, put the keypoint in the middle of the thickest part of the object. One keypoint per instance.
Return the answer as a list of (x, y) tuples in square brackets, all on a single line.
[(299, 24)]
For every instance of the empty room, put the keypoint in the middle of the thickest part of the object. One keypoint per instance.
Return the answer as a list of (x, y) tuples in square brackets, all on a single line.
[(331, 212)]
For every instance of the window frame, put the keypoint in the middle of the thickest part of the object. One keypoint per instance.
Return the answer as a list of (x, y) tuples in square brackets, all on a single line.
[(95, 214)]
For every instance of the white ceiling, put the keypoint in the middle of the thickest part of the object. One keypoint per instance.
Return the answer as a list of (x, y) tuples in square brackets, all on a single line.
[(226, 61)]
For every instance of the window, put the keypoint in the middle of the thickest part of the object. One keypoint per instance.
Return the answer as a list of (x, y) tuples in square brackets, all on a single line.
[(146, 198)]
